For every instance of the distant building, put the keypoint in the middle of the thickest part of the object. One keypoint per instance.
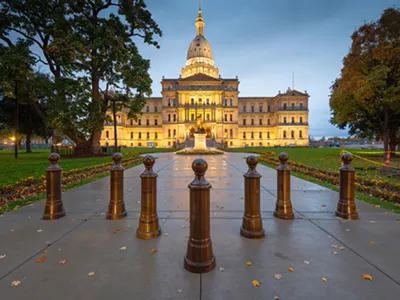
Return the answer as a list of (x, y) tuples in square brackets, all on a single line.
[(230, 119)]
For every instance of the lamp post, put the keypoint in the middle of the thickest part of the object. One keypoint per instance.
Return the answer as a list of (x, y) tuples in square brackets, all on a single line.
[(16, 120)]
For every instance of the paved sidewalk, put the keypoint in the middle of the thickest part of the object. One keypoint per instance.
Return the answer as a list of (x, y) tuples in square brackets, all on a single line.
[(310, 244)]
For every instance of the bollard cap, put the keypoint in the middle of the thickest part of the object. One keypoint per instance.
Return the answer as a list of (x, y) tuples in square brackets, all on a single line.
[(283, 157), (117, 157), (53, 158), (199, 166), (149, 162), (347, 158), (252, 162)]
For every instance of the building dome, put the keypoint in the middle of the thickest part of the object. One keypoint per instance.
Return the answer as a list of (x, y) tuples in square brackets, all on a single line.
[(200, 47)]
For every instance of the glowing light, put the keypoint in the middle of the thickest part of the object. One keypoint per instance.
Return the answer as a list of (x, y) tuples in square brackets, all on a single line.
[(13, 138)]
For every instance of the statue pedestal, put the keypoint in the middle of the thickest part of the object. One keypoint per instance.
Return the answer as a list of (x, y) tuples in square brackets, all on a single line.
[(200, 141)]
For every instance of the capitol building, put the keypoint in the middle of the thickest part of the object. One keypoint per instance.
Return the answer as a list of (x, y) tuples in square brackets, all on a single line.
[(200, 91)]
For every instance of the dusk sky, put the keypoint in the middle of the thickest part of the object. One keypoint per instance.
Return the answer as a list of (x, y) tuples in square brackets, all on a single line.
[(263, 42)]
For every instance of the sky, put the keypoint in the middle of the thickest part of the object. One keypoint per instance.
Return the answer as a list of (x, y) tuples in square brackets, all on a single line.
[(264, 42)]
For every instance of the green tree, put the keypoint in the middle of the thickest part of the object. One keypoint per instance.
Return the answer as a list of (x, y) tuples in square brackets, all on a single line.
[(366, 96), (84, 43)]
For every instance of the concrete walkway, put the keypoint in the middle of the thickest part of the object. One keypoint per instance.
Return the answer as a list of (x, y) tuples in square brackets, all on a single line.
[(311, 244)]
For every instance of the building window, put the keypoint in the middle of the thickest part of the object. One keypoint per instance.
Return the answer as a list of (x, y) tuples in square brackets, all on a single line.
[(169, 133), (260, 121), (192, 101), (225, 102), (131, 144), (244, 108), (284, 120), (284, 106), (252, 135), (252, 108), (301, 120), (269, 108), (292, 134), (147, 122), (147, 108), (140, 122), (292, 105), (140, 135), (192, 117), (268, 134), (301, 105), (174, 132), (284, 134), (131, 122), (131, 135), (169, 118), (269, 122), (140, 144), (174, 118), (292, 119), (252, 121), (230, 102), (230, 117), (107, 134), (300, 134), (226, 118), (208, 101), (200, 101), (231, 143), (107, 144), (260, 108), (244, 121), (231, 133), (244, 135), (169, 102), (208, 117), (148, 135), (156, 122), (260, 144), (260, 135), (169, 143), (156, 135), (155, 108)]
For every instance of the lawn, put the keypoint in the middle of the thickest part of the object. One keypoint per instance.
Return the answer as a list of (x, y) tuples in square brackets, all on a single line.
[(35, 164)]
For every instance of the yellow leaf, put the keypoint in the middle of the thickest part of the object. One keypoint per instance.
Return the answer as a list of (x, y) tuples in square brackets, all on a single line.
[(62, 262), (186, 218), (40, 260), (324, 279), (248, 263), (256, 283), (45, 251), (15, 283), (91, 273), (370, 242), (291, 269), (153, 250), (341, 248), (366, 277), (378, 206)]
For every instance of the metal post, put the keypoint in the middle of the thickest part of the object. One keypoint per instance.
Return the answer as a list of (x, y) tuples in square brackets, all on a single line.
[(149, 227), (252, 223), (116, 207), (346, 207), (16, 120), (283, 209), (54, 208), (115, 127), (199, 256)]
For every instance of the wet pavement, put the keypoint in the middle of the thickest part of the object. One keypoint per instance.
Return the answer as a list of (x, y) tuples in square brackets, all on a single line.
[(315, 244)]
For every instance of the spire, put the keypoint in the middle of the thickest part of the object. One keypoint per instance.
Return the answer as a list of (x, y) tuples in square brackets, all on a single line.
[(200, 21)]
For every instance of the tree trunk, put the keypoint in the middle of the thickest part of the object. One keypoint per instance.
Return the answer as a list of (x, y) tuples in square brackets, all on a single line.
[(28, 143)]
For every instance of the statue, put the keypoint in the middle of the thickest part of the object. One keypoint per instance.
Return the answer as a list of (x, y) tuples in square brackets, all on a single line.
[(199, 125)]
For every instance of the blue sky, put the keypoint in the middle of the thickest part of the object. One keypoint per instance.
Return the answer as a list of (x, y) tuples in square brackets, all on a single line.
[(263, 42)]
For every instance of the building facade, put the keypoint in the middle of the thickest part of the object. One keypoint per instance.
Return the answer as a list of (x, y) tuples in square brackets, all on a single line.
[(200, 91)]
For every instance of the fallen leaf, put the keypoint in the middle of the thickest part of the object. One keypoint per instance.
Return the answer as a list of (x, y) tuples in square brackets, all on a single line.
[(241, 198), (278, 276), (370, 242), (385, 213), (40, 260), (153, 250), (372, 221), (2, 256), (186, 218), (116, 230), (221, 269), (73, 219), (122, 248), (248, 263), (179, 290), (324, 279), (39, 230), (62, 262), (291, 269), (91, 273), (255, 283), (165, 234), (15, 283), (347, 229), (45, 251), (334, 246), (183, 226), (366, 277), (276, 298), (334, 252), (85, 219), (12, 230), (341, 248), (307, 262)]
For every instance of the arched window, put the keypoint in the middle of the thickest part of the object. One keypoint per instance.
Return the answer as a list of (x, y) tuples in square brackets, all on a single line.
[(131, 122), (292, 119), (148, 135), (284, 120), (269, 122), (192, 101), (140, 135), (226, 118), (284, 106), (107, 134), (231, 102), (269, 108), (169, 118), (140, 122), (174, 132), (244, 135), (169, 133), (268, 134), (252, 135), (231, 133), (252, 121), (260, 135), (300, 133), (292, 134), (131, 135), (260, 121), (301, 119), (284, 134), (147, 122), (169, 102)]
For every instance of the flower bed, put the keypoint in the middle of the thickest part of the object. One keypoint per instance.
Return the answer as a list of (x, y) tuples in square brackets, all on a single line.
[(378, 188), (32, 186)]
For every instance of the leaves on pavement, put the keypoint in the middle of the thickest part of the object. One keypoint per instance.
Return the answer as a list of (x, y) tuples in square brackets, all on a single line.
[(248, 263), (366, 277), (40, 260), (256, 283)]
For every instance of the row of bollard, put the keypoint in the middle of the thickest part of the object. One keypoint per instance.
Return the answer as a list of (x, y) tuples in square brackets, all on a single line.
[(199, 257)]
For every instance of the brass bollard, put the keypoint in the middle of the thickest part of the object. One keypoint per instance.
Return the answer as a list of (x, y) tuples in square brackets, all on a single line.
[(252, 223), (199, 256), (116, 207), (148, 222), (346, 207), (54, 208), (283, 208)]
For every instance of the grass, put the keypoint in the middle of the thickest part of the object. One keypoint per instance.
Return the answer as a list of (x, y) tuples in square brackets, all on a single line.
[(35, 164)]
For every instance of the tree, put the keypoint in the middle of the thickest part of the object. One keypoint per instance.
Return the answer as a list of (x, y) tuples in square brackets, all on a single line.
[(84, 43), (366, 96)]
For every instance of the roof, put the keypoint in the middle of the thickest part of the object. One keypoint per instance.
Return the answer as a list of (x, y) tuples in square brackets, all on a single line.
[(200, 47), (290, 92)]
